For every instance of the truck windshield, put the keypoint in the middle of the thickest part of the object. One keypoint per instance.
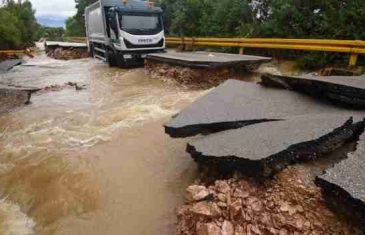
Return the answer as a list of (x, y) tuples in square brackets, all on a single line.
[(141, 24)]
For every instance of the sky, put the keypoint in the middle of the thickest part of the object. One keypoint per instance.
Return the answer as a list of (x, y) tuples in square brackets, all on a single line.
[(53, 12)]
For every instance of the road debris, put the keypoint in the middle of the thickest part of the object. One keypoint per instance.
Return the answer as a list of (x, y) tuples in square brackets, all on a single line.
[(344, 185), (253, 153), (236, 104), (240, 206), (203, 59), (200, 70), (343, 90), (12, 97)]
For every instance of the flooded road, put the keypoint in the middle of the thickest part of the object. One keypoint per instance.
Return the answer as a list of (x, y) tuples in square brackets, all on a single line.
[(94, 161)]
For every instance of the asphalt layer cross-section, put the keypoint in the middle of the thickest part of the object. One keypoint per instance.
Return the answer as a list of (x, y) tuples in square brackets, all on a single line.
[(344, 184), (235, 104), (204, 59), (265, 148), (346, 91)]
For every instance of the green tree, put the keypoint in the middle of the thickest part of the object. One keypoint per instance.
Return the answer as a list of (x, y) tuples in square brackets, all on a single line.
[(10, 36), (75, 26)]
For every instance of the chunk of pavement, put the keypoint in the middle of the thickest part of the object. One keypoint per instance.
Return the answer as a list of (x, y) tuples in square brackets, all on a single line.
[(343, 90), (263, 149), (203, 59), (235, 104), (343, 185), (6, 65), (11, 97)]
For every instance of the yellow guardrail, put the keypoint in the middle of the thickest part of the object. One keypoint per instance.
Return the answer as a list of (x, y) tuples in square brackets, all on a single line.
[(17, 52), (75, 39), (351, 47)]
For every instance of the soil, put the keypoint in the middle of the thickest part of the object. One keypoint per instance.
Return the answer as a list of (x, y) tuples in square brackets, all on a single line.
[(287, 204), (4, 57), (68, 53), (196, 78)]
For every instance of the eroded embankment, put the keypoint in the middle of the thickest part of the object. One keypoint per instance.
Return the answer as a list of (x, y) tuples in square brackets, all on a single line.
[(240, 206), (275, 199)]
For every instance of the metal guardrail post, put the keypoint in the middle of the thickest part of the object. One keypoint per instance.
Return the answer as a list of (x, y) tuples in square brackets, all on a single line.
[(242, 50), (353, 59)]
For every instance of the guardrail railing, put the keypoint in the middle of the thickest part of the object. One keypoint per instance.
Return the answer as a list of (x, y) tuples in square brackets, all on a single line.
[(351, 47), (75, 39), (17, 52)]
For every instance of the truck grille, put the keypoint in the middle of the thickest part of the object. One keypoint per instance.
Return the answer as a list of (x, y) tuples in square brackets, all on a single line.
[(129, 45)]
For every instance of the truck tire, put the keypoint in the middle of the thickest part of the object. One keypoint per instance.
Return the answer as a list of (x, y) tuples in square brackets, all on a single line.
[(111, 58)]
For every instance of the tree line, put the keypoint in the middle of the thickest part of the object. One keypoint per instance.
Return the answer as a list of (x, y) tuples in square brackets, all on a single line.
[(19, 28), (330, 19)]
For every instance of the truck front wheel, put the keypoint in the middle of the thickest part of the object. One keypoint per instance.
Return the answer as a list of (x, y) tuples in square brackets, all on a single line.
[(112, 58)]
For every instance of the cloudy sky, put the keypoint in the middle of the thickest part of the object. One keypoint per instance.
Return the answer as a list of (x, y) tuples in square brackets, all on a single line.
[(53, 12), (57, 8)]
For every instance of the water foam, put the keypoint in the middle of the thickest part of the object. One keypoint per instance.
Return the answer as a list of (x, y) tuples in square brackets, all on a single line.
[(13, 221)]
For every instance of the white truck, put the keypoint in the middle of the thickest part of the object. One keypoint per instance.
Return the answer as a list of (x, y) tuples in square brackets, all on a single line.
[(123, 32)]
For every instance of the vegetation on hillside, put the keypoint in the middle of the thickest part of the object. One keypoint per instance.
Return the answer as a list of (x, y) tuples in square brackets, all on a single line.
[(254, 18), (18, 25), (75, 26)]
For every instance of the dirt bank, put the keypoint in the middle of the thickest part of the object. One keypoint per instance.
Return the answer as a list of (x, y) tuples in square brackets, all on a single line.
[(68, 53), (4, 57), (288, 204), (196, 78)]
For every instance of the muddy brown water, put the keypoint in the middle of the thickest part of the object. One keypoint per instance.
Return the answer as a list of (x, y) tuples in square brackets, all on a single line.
[(94, 161)]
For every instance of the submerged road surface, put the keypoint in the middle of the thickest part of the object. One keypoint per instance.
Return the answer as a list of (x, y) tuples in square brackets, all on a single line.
[(93, 161)]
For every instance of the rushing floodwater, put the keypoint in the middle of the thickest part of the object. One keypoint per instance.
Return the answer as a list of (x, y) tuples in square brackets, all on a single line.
[(94, 161)]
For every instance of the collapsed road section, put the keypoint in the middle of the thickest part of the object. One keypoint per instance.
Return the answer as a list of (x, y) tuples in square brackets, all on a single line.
[(66, 50), (6, 65), (344, 90), (200, 69), (11, 97), (255, 138), (264, 149), (344, 185), (202, 59), (235, 104)]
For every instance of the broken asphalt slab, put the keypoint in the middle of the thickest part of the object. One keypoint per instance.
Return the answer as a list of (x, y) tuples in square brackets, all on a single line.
[(204, 59), (263, 149), (6, 65), (343, 90), (54, 44), (344, 185), (11, 97), (235, 104)]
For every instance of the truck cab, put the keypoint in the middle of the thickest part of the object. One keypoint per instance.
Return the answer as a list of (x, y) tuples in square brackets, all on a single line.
[(123, 32)]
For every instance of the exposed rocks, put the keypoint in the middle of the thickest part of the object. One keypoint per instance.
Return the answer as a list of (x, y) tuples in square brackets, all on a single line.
[(253, 153), (236, 104), (343, 90), (344, 185), (284, 205), (61, 53), (57, 87), (193, 78), (197, 193)]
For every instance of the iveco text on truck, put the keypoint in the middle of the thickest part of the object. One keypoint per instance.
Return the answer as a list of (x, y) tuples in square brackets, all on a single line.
[(123, 32)]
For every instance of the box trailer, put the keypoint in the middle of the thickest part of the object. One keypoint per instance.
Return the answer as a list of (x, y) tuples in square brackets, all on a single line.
[(123, 32)]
